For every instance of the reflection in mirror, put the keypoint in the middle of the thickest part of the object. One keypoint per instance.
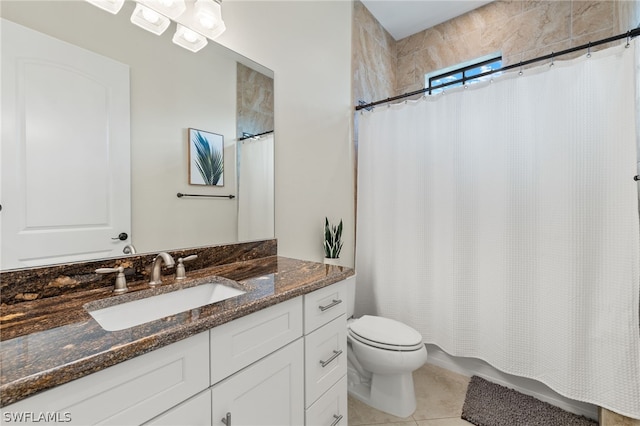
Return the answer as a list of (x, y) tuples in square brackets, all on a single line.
[(170, 91)]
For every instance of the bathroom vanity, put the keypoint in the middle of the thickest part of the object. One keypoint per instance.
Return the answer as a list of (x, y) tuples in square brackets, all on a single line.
[(275, 354)]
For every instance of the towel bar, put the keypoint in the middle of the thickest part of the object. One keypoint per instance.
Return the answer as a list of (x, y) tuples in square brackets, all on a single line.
[(180, 195)]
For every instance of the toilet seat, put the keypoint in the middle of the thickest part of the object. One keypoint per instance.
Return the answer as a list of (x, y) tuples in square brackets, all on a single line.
[(385, 333)]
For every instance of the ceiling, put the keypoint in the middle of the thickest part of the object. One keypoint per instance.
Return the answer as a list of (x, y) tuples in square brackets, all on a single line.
[(402, 18)]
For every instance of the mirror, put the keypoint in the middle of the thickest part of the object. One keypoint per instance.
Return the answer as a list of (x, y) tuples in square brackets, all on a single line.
[(172, 90)]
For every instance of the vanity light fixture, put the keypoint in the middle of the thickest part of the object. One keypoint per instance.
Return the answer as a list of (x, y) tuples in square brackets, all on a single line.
[(184, 37), (111, 6), (207, 18), (196, 20), (149, 19), (169, 8)]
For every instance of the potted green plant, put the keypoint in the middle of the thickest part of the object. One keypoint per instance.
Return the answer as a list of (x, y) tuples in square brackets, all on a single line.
[(332, 241)]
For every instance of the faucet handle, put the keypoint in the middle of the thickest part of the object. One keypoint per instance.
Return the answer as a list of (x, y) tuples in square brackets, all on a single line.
[(129, 249), (180, 271), (121, 280)]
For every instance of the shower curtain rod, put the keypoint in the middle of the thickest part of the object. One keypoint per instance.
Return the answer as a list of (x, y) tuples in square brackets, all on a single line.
[(257, 135), (628, 35)]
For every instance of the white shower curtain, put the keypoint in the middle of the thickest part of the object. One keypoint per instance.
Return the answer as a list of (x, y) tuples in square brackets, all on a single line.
[(501, 221), (255, 189)]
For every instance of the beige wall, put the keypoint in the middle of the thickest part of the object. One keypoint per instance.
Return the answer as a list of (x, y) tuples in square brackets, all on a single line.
[(306, 44), (519, 29)]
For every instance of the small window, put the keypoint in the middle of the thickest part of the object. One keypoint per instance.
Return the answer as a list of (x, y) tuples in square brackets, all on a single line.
[(464, 73)]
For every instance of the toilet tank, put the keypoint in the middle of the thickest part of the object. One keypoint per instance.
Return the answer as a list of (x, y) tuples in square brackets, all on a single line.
[(351, 295)]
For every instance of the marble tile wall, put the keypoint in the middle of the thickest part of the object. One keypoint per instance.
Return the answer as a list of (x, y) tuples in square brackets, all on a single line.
[(374, 57), (520, 29), (254, 101)]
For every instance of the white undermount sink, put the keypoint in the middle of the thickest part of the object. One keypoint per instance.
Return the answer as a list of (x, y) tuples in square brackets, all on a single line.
[(136, 312)]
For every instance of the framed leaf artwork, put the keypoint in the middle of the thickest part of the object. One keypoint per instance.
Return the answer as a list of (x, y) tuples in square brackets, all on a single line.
[(206, 158)]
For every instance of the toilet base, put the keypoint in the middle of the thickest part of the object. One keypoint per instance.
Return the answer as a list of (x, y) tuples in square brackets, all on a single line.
[(393, 394)]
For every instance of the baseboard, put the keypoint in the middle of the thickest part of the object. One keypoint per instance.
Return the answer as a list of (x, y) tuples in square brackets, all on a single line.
[(473, 366)]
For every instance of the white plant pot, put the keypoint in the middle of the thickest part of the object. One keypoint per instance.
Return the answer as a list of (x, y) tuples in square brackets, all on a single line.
[(332, 261)]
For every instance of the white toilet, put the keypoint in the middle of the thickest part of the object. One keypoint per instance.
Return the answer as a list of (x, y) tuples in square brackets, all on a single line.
[(382, 355)]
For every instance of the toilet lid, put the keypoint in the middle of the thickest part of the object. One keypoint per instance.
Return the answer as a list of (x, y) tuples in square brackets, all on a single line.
[(385, 332)]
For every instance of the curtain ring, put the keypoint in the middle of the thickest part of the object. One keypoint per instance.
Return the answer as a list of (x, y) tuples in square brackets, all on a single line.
[(589, 50), (553, 58), (628, 39), (520, 73)]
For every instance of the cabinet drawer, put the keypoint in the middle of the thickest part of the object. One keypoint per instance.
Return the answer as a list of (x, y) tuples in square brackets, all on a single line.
[(243, 341), (193, 412), (321, 306), (325, 356), (131, 392), (331, 408)]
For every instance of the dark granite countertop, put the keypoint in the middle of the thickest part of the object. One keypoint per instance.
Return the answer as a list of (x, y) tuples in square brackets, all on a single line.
[(48, 342)]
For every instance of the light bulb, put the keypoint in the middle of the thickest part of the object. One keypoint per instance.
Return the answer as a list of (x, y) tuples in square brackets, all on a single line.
[(208, 18), (150, 15), (112, 6), (149, 20), (207, 22), (190, 36), (169, 8), (189, 39)]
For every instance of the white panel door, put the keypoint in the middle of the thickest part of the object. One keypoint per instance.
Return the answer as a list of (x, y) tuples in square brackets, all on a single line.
[(65, 151)]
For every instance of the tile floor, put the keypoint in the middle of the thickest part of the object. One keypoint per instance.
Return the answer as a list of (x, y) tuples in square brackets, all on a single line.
[(439, 393)]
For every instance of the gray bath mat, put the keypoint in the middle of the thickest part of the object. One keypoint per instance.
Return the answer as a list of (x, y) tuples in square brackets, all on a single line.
[(489, 404)]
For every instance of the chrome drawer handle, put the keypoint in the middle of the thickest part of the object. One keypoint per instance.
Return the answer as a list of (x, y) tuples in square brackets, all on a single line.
[(335, 355), (333, 303), (337, 419)]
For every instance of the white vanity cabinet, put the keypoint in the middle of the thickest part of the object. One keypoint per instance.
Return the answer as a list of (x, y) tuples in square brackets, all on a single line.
[(257, 368), (196, 411), (269, 392), (331, 408), (128, 393), (282, 365), (267, 369), (325, 346)]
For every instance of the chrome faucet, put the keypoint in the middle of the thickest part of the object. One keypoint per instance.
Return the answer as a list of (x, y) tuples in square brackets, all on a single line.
[(156, 268)]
